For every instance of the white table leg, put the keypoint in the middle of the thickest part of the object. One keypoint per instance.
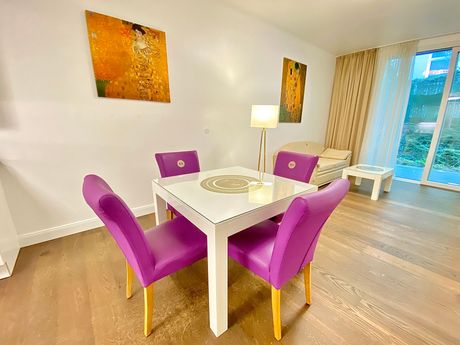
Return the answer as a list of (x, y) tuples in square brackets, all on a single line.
[(160, 209), (217, 282), (344, 175), (358, 181), (388, 183), (376, 188)]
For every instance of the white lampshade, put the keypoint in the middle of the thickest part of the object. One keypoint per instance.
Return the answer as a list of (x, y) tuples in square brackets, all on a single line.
[(265, 116)]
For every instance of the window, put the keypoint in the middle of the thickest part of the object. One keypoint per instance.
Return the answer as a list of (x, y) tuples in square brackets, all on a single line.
[(431, 130)]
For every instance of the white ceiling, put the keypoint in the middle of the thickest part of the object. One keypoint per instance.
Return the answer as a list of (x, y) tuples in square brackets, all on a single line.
[(344, 26)]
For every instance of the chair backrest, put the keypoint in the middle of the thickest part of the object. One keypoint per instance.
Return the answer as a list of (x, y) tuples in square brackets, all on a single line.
[(122, 224), (299, 231), (294, 165), (177, 163)]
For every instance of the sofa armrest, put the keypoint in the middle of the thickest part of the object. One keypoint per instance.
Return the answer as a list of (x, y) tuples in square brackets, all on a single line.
[(348, 160)]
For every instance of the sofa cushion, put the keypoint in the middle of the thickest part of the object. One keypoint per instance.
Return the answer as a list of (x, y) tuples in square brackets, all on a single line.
[(327, 164), (335, 154)]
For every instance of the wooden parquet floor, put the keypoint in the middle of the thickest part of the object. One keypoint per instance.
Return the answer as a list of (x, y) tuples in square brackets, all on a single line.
[(385, 272)]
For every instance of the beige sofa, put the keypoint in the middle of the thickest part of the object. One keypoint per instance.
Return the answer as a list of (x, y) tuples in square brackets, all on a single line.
[(330, 164)]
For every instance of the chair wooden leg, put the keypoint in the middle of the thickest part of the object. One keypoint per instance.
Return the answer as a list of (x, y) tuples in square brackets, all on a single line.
[(129, 281), (276, 310), (307, 278), (148, 309)]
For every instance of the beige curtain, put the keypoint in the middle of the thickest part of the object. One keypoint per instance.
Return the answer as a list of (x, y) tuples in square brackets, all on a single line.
[(350, 101)]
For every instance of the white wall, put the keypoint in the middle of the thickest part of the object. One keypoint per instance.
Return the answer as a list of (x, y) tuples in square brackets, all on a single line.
[(54, 129)]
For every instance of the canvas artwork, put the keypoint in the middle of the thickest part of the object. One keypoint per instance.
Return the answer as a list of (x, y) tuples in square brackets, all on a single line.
[(129, 60), (292, 91)]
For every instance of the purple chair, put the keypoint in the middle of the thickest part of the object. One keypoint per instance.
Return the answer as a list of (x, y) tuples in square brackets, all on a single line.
[(295, 166), (276, 253), (177, 163), (152, 254)]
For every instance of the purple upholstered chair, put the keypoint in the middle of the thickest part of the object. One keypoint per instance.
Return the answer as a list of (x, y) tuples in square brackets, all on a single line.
[(276, 253), (151, 255), (177, 163), (295, 166)]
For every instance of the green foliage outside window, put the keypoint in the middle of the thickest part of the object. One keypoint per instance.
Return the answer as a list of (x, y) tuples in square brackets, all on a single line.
[(422, 112)]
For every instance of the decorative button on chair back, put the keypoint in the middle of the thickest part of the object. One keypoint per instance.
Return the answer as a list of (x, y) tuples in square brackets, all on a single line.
[(150, 255), (296, 166), (276, 253), (177, 163)]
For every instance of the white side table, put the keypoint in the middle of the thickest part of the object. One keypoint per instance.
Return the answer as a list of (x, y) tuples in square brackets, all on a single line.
[(371, 172)]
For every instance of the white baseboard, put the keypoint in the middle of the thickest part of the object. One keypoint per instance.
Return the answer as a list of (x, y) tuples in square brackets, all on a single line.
[(73, 228)]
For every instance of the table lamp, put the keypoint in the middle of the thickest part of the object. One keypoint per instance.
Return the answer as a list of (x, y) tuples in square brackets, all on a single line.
[(264, 116)]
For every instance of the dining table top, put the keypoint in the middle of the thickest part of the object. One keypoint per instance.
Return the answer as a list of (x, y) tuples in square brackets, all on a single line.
[(222, 194)]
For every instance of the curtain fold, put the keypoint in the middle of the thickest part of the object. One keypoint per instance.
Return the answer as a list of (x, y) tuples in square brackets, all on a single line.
[(388, 106), (350, 101)]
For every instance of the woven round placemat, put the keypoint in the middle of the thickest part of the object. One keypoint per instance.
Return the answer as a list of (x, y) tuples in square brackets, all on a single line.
[(230, 184)]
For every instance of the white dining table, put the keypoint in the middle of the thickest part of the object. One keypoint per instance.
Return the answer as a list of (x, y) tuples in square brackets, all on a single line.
[(221, 203)]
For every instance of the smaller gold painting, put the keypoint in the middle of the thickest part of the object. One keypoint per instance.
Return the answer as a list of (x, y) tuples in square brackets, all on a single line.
[(292, 91)]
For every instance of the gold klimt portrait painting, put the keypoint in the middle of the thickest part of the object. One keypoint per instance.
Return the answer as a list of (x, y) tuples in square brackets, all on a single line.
[(292, 91), (129, 60)]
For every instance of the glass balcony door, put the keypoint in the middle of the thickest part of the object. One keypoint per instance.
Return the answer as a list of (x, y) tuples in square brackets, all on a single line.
[(442, 167), (430, 72)]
